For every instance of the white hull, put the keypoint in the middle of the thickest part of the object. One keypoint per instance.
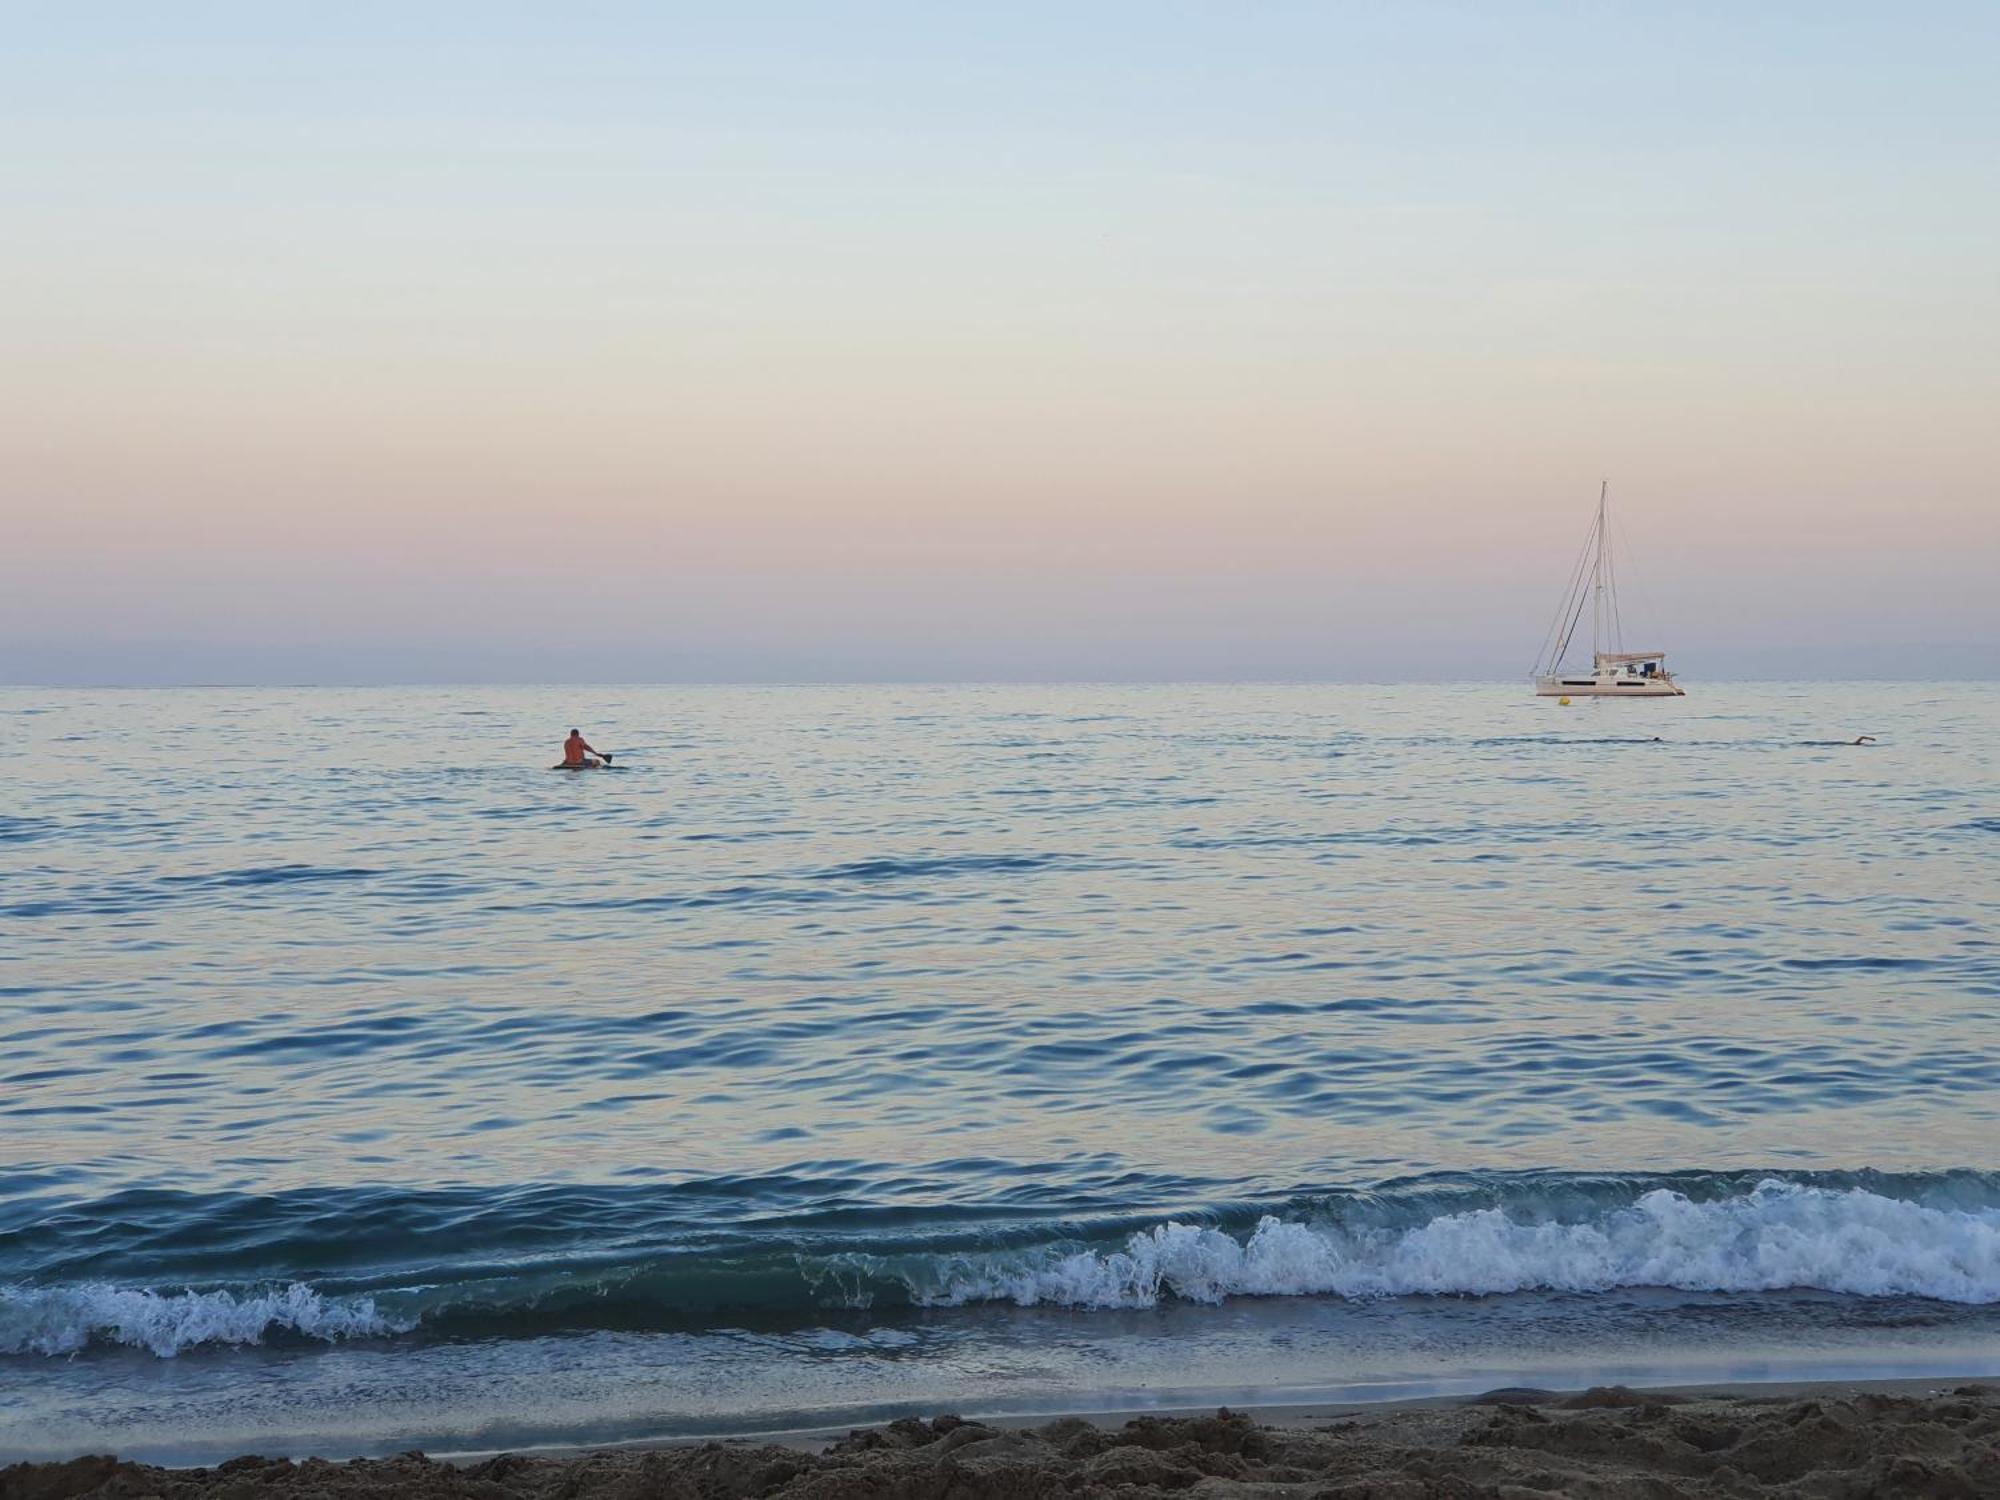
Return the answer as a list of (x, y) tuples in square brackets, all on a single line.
[(1608, 686)]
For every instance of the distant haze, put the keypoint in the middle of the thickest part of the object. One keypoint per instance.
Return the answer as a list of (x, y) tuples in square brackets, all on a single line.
[(618, 342)]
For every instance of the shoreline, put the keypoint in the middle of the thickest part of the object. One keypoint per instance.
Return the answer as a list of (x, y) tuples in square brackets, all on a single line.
[(466, 1402), (1876, 1437), (1279, 1415), (1273, 1415)]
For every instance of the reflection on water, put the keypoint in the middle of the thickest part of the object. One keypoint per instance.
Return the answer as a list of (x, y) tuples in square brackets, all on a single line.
[(341, 994)]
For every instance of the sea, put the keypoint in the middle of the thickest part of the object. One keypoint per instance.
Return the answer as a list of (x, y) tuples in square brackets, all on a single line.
[(852, 1052)]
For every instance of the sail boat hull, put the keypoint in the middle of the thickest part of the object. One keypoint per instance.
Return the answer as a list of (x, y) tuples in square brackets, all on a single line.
[(1608, 685)]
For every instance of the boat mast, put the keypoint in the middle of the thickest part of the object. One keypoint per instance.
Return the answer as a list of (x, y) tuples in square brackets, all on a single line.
[(1597, 580)]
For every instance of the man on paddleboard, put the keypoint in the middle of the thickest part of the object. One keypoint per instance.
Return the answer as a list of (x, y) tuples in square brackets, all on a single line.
[(578, 751)]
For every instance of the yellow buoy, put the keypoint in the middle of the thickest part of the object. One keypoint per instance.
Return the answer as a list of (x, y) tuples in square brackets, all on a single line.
[(1562, 702)]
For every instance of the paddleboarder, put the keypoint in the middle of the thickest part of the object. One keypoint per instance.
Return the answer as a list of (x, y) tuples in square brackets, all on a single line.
[(578, 752)]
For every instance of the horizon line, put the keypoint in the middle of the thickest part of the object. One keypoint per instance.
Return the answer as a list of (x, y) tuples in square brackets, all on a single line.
[(1977, 677)]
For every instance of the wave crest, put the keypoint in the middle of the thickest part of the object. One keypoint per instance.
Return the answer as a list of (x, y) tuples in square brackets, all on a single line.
[(62, 1320), (1780, 1235), (1752, 1236)]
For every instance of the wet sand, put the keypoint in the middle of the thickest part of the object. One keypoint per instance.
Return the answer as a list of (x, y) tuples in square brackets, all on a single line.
[(1829, 1441)]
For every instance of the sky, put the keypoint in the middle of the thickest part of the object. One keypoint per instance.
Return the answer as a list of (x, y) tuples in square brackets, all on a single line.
[(1078, 341)]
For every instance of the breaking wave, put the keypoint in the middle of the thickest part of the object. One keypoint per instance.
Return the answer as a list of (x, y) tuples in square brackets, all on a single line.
[(62, 1320), (1780, 1235), (1712, 1235)]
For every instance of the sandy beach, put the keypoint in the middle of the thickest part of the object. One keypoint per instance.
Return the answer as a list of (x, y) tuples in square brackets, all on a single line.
[(1828, 1440)]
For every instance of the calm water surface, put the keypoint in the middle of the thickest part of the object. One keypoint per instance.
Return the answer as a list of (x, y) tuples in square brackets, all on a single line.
[(864, 1048)]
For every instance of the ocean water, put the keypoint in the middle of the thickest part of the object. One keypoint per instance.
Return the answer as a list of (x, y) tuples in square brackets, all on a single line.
[(852, 1051)]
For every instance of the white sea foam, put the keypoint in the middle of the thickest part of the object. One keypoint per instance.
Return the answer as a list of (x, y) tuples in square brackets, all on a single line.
[(1780, 1235), (62, 1320)]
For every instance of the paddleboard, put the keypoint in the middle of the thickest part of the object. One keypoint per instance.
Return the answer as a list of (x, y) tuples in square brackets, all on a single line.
[(586, 766)]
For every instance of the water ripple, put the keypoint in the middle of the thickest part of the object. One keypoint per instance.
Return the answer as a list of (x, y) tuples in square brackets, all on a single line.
[(976, 960)]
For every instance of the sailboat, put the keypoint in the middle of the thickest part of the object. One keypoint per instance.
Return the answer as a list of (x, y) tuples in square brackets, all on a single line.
[(1613, 672)]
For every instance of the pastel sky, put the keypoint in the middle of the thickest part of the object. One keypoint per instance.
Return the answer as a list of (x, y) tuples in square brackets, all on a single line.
[(486, 341)]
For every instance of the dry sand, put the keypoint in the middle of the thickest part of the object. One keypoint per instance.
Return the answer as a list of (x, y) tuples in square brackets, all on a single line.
[(1830, 1444)]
